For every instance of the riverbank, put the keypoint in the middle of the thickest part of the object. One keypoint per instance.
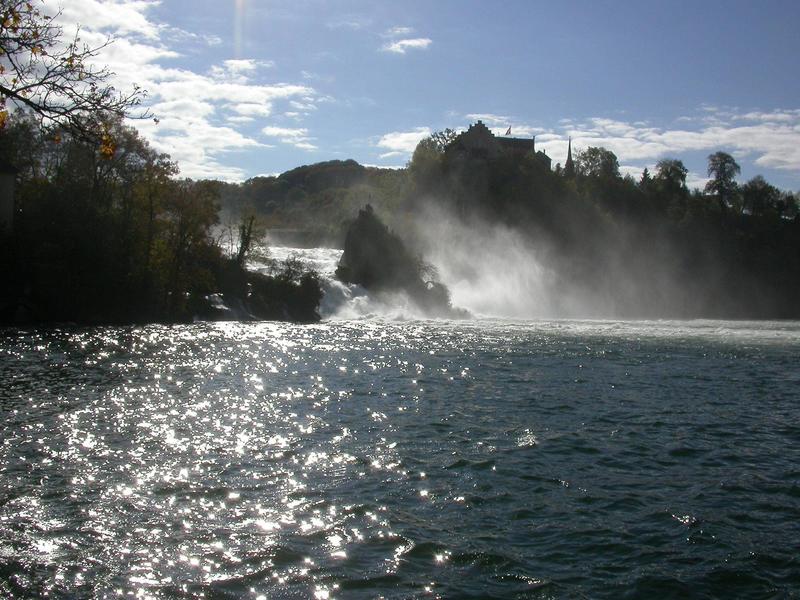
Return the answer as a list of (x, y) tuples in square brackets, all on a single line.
[(291, 292)]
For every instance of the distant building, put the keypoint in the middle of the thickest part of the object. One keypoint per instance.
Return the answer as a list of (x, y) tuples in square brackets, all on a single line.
[(569, 167), (8, 174), (479, 142)]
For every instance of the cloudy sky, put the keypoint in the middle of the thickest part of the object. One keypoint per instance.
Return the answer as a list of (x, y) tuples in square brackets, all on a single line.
[(249, 87)]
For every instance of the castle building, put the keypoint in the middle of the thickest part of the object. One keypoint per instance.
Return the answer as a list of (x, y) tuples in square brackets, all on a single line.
[(479, 142)]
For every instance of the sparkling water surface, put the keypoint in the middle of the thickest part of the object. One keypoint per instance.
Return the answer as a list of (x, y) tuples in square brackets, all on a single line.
[(369, 458)]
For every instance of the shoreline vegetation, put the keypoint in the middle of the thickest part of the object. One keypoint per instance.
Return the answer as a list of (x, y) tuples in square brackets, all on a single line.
[(97, 227), (117, 238)]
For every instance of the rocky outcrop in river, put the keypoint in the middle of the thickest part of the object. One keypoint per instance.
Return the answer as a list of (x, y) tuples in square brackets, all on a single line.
[(378, 260)]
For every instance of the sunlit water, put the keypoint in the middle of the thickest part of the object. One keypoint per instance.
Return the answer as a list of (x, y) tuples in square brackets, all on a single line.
[(374, 458)]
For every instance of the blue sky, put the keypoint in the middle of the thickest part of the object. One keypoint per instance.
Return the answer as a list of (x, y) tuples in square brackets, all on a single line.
[(249, 87)]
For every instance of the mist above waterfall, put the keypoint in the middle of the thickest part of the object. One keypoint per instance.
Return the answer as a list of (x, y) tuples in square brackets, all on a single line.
[(490, 269), (520, 270)]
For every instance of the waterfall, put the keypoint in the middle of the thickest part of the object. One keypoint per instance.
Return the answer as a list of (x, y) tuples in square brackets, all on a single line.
[(341, 300)]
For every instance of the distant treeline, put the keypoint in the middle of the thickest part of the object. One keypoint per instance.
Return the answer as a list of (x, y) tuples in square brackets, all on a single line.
[(646, 247), (649, 247), (105, 231), (320, 199)]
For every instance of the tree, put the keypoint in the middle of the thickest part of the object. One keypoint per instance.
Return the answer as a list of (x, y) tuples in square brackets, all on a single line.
[(758, 196), (252, 233), (722, 168), (669, 186), (671, 174), (440, 140), (190, 212), (787, 205), (52, 77), (426, 162), (597, 162), (646, 180)]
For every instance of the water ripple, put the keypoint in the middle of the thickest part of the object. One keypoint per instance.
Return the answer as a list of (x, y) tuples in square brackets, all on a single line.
[(363, 459)]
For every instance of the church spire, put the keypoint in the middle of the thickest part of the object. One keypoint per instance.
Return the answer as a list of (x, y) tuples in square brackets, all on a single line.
[(569, 166)]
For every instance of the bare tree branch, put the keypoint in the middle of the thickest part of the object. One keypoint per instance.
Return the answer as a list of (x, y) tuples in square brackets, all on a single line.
[(56, 80)]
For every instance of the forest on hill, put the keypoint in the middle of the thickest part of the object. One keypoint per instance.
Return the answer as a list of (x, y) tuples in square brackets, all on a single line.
[(647, 247), (117, 236)]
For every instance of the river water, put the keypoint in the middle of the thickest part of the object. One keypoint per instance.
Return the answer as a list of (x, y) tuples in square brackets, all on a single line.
[(401, 458)]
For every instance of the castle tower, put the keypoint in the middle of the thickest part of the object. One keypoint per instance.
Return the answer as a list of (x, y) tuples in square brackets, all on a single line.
[(569, 166)]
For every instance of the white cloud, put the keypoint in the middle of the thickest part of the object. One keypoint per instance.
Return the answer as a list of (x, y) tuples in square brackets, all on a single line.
[(284, 132), (392, 167), (518, 131), (695, 180), (305, 105), (252, 109), (202, 115), (121, 17), (398, 32), (635, 172), (297, 137), (773, 139), (184, 106), (777, 116), (246, 65), (402, 142), (198, 144), (488, 118), (401, 46), (349, 22), (311, 76), (548, 137), (238, 70)]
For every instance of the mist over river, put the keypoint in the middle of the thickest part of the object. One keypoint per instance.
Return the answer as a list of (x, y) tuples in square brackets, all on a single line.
[(401, 459)]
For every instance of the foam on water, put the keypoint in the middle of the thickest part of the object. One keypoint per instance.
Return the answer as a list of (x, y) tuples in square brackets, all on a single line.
[(346, 301), (342, 300)]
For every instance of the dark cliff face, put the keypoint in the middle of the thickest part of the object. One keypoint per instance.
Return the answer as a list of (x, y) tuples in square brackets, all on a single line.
[(377, 259), (374, 257)]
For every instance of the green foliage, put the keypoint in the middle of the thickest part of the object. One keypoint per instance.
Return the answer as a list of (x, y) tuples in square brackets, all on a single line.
[(759, 197), (671, 174), (649, 248), (438, 141), (723, 169), (115, 238), (646, 180), (597, 162), (317, 200)]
